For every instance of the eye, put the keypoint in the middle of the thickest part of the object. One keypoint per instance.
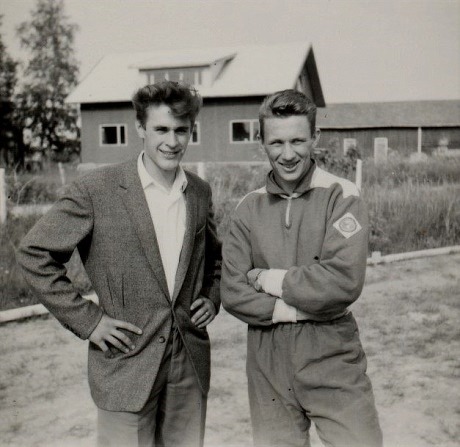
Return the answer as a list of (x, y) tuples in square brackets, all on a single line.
[(160, 130), (298, 141)]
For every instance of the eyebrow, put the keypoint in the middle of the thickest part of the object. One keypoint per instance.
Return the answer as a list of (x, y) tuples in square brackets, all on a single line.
[(160, 127)]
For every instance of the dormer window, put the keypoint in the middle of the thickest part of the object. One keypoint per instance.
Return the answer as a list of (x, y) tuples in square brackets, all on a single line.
[(190, 75)]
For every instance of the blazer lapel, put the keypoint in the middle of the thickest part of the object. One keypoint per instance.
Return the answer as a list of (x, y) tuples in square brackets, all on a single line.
[(189, 237), (134, 199)]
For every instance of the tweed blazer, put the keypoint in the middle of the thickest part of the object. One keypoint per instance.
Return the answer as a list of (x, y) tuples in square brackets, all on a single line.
[(105, 215)]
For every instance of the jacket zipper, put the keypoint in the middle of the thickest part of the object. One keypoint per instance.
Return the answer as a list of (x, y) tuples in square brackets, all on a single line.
[(287, 216)]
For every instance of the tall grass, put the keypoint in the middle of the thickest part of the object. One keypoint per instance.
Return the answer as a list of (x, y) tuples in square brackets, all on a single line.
[(435, 172), (411, 207), (14, 292), (413, 216)]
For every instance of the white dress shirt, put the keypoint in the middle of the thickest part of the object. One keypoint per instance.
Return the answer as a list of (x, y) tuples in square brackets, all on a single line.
[(167, 209)]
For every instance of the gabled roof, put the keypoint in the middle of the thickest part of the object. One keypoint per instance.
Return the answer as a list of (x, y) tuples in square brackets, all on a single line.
[(390, 114), (255, 70)]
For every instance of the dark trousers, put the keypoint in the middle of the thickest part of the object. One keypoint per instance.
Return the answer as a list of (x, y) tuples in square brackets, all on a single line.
[(310, 372), (173, 416)]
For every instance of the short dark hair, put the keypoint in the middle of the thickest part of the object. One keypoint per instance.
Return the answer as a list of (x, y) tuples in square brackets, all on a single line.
[(286, 103), (183, 99)]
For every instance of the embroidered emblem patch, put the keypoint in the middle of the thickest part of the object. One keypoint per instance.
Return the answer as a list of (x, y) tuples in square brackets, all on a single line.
[(347, 225)]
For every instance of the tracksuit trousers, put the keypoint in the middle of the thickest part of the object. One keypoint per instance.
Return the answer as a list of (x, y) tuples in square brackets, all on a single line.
[(305, 372)]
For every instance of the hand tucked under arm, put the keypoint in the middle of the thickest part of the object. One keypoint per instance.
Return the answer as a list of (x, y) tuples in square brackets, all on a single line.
[(269, 281)]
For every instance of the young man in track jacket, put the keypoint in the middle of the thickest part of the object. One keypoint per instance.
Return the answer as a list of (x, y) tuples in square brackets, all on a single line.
[(293, 261), (146, 235)]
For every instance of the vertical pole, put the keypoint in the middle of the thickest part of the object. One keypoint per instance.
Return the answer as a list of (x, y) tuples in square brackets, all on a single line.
[(201, 170), (359, 173), (419, 141), (61, 173), (2, 196)]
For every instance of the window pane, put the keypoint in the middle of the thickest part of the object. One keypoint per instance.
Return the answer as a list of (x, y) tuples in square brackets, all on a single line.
[(241, 131), (122, 135), (109, 135), (174, 76)]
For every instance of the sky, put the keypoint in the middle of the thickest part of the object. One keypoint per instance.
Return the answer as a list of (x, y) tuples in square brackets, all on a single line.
[(365, 50)]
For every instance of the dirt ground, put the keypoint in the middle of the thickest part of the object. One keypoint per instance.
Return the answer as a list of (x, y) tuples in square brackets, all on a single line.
[(409, 315)]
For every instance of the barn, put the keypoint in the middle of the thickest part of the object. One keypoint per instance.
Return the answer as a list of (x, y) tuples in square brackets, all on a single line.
[(232, 81), (379, 129)]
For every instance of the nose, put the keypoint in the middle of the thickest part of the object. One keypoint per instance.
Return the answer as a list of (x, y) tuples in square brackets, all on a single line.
[(171, 139), (288, 152)]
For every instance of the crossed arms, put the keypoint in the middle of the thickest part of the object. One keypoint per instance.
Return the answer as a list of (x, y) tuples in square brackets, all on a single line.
[(322, 290)]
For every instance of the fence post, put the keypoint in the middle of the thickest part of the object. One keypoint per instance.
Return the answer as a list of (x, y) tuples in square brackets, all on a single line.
[(201, 170), (2, 196), (359, 173), (61, 173)]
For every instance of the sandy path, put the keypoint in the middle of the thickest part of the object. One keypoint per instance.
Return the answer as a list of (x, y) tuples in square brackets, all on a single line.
[(408, 317)]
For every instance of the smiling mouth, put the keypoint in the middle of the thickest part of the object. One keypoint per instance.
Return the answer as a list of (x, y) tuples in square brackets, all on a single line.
[(289, 166), (170, 154)]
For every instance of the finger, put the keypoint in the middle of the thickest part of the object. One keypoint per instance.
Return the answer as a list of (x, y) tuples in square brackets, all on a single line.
[(124, 339), (128, 326), (197, 303), (205, 322), (203, 316), (103, 346), (115, 342)]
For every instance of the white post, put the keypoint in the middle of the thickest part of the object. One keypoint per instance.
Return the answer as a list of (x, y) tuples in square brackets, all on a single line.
[(359, 173), (61, 173), (419, 141), (201, 170), (2, 196)]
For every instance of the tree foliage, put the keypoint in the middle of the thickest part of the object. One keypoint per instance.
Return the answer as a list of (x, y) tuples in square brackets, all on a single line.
[(50, 74), (8, 129)]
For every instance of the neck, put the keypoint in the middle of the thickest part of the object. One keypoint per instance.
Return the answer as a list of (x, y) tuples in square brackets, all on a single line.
[(164, 178)]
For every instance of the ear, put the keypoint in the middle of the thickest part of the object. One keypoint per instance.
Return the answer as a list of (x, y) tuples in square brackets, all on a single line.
[(140, 130), (316, 136), (261, 145)]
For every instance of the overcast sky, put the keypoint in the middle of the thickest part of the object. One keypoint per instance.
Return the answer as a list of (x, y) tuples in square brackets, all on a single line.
[(365, 50)]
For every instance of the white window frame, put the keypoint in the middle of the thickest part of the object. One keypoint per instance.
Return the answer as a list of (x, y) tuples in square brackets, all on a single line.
[(347, 143), (118, 126), (251, 130), (198, 135), (196, 77)]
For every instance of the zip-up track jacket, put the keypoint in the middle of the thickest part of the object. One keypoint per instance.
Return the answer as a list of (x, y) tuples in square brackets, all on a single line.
[(314, 244)]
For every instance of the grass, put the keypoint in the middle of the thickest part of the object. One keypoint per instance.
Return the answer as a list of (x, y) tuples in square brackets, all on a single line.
[(14, 292), (411, 207)]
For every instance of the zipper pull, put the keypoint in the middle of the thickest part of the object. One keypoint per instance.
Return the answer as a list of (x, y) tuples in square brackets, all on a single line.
[(287, 218)]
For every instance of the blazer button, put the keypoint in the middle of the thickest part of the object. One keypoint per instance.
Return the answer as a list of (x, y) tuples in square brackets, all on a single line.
[(161, 339)]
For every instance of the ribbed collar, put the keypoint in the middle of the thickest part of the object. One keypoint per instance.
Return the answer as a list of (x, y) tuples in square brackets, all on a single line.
[(302, 186)]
